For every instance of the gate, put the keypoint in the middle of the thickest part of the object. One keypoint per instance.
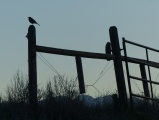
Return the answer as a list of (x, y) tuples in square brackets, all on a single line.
[(148, 94)]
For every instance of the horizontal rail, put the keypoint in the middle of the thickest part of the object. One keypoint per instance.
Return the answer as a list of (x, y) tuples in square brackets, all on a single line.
[(74, 53), (141, 61), (133, 43), (91, 55), (154, 99), (145, 80)]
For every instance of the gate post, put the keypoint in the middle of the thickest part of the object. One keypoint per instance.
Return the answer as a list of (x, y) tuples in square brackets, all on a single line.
[(32, 70), (118, 67)]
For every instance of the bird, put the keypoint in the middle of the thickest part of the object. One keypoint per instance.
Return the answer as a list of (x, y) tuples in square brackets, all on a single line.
[(32, 21)]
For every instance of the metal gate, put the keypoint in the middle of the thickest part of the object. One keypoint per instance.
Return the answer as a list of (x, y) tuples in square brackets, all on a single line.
[(147, 95)]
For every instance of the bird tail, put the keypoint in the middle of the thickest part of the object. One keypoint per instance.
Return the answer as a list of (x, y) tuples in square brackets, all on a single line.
[(38, 24)]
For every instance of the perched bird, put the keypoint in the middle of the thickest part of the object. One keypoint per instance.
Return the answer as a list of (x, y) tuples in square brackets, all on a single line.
[(32, 21)]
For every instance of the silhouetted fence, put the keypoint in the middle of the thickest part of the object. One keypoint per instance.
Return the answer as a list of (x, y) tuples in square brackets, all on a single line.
[(111, 47)]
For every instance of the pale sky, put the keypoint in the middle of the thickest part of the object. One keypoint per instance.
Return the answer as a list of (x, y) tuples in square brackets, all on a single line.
[(78, 25)]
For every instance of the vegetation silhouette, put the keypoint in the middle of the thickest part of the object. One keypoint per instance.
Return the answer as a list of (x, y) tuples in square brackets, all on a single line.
[(60, 100)]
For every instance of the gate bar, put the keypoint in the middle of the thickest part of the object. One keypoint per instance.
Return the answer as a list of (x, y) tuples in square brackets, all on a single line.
[(91, 55)]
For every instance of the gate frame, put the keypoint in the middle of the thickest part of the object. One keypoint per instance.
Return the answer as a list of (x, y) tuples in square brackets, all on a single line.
[(143, 79)]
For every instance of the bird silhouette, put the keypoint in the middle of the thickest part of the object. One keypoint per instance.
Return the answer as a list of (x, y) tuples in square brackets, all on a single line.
[(32, 21)]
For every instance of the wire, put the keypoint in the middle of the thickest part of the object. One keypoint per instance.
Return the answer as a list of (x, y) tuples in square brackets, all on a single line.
[(106, 71), (46, 62), (136, 86), (134, 82), (49, 65), (104, 68), (102, 74)]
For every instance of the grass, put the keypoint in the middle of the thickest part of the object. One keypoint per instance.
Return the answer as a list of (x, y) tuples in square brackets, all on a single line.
[(59, 100)]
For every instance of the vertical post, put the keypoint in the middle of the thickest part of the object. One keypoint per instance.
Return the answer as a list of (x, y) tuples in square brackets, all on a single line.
[(108, 48), (128, 75), (118, 67), (32, 69), (145, 84), (80, 74)]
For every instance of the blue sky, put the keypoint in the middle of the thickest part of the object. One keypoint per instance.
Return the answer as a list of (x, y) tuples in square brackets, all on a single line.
[(73, 24)]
